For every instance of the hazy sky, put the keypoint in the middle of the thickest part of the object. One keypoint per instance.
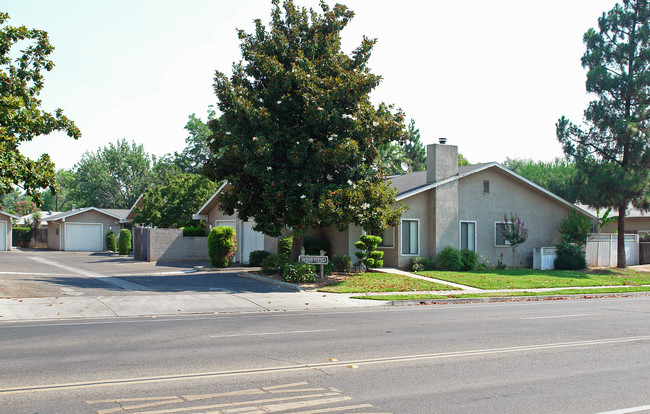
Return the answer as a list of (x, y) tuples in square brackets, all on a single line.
[(491, 76)]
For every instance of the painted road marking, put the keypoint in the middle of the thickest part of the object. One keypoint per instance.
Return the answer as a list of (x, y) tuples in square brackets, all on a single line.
[(126, 285), (629, 410), (314, 402), (272, 333), (303, 367), (558, 316)]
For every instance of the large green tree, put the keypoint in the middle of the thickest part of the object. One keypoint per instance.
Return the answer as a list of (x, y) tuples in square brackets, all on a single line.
[(197, 152), (414, 149), (173, 203), (558, 176), (298, 137), (61, 200), (112, 177), (612, 149), (21, 119)]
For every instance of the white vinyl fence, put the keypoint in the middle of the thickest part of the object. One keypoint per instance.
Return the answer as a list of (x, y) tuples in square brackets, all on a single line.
[(602, 249), (544, 258)]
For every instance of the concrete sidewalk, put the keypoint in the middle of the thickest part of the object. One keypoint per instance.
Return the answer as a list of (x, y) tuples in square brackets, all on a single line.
[(173, 304)]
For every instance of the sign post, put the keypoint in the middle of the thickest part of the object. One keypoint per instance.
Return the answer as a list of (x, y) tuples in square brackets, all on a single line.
[(321, 260)]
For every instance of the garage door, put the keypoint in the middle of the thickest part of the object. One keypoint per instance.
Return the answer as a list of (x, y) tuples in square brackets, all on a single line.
[(83, 237), (252, 240), (3, 235)]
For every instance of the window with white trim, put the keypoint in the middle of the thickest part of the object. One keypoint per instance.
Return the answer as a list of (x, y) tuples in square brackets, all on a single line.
[(499, 227), (411, 237), (468, 235), (387, 238)]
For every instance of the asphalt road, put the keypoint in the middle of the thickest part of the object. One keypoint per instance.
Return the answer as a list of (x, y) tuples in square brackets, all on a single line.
[(44, 273), (579, 356)]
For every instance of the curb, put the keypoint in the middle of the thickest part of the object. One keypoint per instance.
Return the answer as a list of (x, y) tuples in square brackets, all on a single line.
[(270, 281), (451, 301)]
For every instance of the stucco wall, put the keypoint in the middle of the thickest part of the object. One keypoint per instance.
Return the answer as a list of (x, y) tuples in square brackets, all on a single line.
[(631, 223), (169, 245), (539, 212), (53, 239)]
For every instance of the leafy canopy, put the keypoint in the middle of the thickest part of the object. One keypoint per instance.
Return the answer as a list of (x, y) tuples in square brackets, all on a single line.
[(172, 204), (21, 119), (558, 176), (612, 149), (112, 177), (298, 139)]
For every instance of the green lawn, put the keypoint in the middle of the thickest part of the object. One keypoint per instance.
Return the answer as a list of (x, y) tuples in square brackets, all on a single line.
[(528, 278), (506, 294), (382, 282)]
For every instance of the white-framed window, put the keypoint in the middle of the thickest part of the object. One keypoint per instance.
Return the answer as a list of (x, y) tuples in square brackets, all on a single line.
[(467, 235), (410, 237), (387, 238), (498, 233)]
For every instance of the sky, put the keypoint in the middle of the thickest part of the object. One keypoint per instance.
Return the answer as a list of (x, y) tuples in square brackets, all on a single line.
[(492, 77)]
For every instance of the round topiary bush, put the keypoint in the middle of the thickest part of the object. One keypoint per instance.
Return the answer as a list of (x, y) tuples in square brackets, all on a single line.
[(221, 246), (111, 243), (124, 242)]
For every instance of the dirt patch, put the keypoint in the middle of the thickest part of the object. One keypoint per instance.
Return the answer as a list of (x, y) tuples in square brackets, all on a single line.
[(334, 277)]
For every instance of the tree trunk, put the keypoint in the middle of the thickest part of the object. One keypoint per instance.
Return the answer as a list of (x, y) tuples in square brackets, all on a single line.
[(621, 261), (296, 247)]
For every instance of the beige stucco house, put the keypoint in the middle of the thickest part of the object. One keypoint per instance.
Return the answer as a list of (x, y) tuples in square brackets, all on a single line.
[(5, 230), (462, 207), (636, 220), (84, 229)]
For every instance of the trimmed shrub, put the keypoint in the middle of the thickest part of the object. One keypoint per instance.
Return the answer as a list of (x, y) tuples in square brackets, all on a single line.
[(342, 263), (469, 258), (274, 263), (222, 246), (194, 232), (284, 245), (450, 259), (111, 243), (124, 242), (569, 257), (299, 273), (418, 264), (368, 255), (313, 246), (256, 257), (21, 236)]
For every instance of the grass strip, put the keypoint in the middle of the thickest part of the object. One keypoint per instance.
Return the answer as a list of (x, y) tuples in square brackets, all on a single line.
[(506, 294), (531, 279), (382, 282)]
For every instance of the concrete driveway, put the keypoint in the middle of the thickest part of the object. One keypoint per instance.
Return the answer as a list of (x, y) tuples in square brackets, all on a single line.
[(33, 273)]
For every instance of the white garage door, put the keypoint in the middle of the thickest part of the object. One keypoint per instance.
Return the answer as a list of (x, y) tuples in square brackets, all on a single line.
[(83, 237), (3, 235), (252, 240)]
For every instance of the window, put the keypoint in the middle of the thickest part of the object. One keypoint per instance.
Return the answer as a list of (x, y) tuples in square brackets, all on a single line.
[(486, 186), (499, 226), (468, 235), (388, 238), (410, 237)]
